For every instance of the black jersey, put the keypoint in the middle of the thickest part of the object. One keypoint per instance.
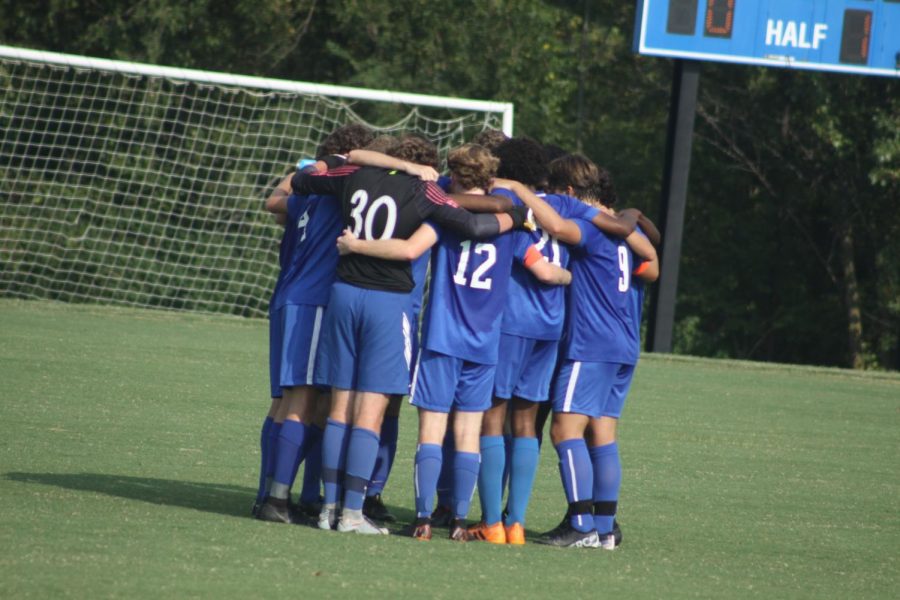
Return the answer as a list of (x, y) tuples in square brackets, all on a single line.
[(378, 204)]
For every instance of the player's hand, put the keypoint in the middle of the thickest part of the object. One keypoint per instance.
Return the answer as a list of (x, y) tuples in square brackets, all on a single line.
[(423, 172), (520, 218), (345, 242)]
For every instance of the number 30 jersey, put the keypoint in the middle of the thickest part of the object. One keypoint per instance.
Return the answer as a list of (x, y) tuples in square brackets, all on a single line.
[(469, 281), (378, 204)]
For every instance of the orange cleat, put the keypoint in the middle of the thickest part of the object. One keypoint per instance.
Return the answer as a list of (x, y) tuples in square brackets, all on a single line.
[(493, 534), (515, 534)]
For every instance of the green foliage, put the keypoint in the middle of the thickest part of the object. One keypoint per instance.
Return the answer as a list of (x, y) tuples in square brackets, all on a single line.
[(786, 164)]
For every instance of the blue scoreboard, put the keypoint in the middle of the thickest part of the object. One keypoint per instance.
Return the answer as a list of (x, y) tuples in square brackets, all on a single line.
[(846, 36)]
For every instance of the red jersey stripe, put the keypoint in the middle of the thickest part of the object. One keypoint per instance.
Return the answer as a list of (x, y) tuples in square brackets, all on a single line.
[(437, 195)]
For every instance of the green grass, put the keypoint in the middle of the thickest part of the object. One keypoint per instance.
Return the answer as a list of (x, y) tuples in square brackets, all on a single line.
[(129, 458)]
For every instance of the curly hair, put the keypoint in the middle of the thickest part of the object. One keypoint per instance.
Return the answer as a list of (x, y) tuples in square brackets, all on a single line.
[(415, 149), (589, 181), (523, 159), (472, 166), (344, 139), (489, 138)]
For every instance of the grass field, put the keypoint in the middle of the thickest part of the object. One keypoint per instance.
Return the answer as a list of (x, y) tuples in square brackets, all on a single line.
[(130, 448)]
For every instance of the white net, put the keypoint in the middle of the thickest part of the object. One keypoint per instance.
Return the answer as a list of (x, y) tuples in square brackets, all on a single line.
[(147, 191)]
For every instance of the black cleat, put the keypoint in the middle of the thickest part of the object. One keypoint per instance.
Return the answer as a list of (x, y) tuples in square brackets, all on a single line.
[(310, 510), (441, 516), (277, 511), (566, 536), (617, 532), (458, 530), (256, 506), (374, 508)]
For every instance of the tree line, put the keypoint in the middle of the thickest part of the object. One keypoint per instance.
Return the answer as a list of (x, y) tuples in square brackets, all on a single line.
[(792, 234)]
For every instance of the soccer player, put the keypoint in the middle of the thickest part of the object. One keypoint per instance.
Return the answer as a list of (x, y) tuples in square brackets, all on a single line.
[(459, 346), (598, 355), (531, 328), (368, 345), (308, 262)]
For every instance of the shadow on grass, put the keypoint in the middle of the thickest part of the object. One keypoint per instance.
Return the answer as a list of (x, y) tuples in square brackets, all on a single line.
[(230, 500)]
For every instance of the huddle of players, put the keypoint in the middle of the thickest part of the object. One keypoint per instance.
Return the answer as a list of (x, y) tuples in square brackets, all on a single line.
[(490, 341)]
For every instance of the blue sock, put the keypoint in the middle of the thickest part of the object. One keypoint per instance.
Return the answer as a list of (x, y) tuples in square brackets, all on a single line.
[(465, 476), (360, 460), (387, 449), (290, 444), (490, 477), (445, 481), (334, 459), (578, 481), (428, 468), (264, 458), (312, 470), (524, 462), (607, 479)]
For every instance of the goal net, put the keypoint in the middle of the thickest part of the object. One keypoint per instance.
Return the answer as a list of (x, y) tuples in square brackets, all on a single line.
[(139, 185)]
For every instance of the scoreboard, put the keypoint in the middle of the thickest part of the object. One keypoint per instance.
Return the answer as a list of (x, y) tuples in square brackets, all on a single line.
[(846, 36)]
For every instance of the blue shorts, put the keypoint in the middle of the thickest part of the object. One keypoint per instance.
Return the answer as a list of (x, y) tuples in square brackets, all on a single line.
[(442, 383), (368, 340), (525, 368), (595, 389), (294, 333)]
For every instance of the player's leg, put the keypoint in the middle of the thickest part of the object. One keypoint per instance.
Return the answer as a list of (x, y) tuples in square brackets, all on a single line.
[(433, 387), (492, 447), (310, 495), (525, 454), (466, 432), (531, 392), (443, 512), (604, 451), (577, 394), (373, 507), (334, 454), (362, 448), (473, 397), (267, 455)]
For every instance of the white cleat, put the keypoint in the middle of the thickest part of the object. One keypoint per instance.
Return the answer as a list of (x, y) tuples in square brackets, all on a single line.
[(328, 517), (359, 523), (607, 541)]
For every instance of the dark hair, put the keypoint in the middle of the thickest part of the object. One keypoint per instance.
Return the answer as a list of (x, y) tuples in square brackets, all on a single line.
[(589, 181), (344, 139), (383, 143), (489, 138), (522, 159), (553, 151), (416, 149), (472, 166)]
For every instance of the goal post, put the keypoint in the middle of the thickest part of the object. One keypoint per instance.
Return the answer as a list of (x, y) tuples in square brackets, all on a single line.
[(142, 185)]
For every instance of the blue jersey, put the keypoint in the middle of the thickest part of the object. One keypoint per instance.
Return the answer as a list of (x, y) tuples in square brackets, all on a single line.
[(308, 254), (469, 282), (419, 273), (604, 320), (533, 309)]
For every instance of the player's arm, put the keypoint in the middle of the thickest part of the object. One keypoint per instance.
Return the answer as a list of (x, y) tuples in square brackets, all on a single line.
[(544, 270), (277, 201), (435, 205), (314, 180), (620, 225), (649, 229), (565, 230), (410, 249), (480, 203), (369, 158), (648, 270)]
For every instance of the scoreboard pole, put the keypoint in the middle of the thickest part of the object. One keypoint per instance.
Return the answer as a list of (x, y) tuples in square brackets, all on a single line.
[(682, 110)]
